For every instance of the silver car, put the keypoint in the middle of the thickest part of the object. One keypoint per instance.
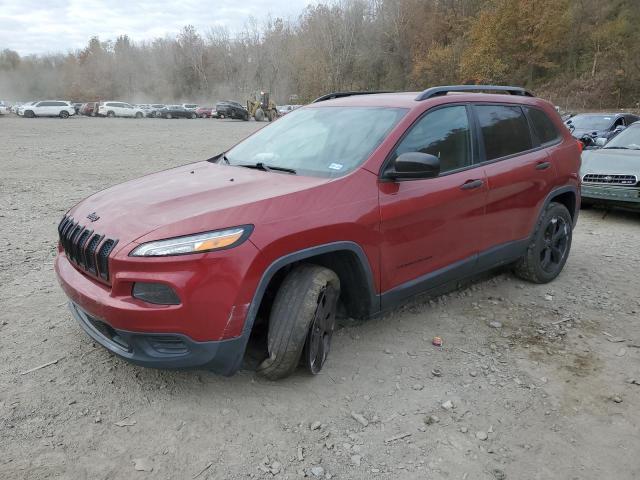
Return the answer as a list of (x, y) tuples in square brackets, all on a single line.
[(611, 174)]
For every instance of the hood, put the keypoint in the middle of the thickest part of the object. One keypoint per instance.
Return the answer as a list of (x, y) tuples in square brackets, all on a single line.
[(190, 199), (611, 161), (581, 132)]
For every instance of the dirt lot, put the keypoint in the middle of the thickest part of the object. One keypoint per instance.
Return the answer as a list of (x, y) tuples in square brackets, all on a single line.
[(532, 382)]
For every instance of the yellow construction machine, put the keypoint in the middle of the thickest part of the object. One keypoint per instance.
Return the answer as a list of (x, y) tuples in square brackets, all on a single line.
[(260, 107)]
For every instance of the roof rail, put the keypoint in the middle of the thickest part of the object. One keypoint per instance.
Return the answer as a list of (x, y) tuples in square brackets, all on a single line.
[(331, 96), (440, 91)]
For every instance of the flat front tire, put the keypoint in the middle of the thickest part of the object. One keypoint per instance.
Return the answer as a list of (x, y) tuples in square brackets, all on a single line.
[(549, 248), (302, 321)]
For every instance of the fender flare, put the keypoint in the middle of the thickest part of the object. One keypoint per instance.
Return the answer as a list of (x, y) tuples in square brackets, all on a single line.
[(297, 256), (559, 191)]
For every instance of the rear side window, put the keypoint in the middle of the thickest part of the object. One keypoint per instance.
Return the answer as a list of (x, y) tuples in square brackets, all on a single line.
[(504, 129), (444, 133), (543, 127)]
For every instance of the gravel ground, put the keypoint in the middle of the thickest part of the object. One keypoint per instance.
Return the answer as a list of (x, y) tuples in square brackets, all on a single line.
[(532, 381)]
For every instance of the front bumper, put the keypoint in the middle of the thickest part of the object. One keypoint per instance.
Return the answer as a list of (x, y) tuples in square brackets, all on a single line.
[(629, 196), (164, 350)]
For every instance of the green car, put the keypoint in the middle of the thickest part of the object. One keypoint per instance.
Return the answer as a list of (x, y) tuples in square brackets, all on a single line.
[(611, 174)]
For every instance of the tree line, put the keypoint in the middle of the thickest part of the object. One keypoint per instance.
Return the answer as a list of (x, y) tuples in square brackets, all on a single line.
[(577, 53)]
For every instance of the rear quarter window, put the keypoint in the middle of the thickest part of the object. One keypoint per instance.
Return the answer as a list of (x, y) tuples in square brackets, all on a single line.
[(542, 126), (505, 130)]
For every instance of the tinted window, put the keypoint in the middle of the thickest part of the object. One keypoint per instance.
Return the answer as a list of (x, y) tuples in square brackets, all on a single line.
[(542, 126), (504, 129), (60, 104), (444, 133)]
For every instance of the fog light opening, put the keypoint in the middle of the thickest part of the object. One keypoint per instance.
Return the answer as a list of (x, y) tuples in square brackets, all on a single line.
[(156, 293)]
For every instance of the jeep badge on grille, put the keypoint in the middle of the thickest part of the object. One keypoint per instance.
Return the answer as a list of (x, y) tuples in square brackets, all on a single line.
[(93, 217)]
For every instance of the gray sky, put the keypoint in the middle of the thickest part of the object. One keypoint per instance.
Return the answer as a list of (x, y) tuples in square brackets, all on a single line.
[(41, 26)]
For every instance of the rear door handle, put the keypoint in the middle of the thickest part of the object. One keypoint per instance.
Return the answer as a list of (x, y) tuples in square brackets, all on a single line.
[(470, 184), (542, 165)]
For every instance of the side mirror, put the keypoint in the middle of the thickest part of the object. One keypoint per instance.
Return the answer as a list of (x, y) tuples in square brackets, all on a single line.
[(600, 141), (413, 165), (618, 129)]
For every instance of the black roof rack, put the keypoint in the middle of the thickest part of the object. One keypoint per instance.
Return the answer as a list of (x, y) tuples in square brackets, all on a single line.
[(331, 96), (439, 91)]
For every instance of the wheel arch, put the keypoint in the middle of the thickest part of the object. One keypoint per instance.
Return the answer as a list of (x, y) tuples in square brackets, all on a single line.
[(346, 259), (567, 196)]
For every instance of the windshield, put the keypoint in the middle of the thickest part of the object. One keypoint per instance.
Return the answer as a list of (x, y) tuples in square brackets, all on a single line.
[(628, 139), (319, 141), (590, 122)]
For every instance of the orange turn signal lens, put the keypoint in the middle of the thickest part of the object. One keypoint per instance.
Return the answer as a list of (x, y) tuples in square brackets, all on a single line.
[(219, 242)]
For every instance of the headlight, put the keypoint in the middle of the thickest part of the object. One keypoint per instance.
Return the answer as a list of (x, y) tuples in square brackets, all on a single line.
[(198, 243)]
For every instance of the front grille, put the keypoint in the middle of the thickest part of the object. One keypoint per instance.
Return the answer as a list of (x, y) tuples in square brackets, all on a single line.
[(614, 179), (87, 250)]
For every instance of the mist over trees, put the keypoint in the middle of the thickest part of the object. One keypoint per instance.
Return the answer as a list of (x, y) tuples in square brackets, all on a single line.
[(577, 53)]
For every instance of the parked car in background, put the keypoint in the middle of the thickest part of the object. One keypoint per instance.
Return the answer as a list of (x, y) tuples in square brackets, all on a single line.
[(155, 110), (21, 107), (90, 109), (49, 108), (176, 111), (4, 109), (358, 203), (119, 109), (611, 174), (599, 125), (230, 109), (205, 112), (190, 106)]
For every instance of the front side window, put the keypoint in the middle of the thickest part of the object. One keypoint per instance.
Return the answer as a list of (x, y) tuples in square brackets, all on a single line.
[(444, 133), (504, 129), (318, 141)]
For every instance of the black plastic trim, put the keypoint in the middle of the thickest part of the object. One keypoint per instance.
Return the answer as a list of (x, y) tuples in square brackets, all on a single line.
[(217, 356), (373, 299)]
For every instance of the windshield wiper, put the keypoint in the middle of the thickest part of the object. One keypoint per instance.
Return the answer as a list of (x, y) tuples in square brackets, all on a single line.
[(617, 148), (267, 168)]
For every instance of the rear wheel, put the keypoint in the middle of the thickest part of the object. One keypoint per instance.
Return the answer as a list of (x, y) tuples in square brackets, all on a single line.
[(138, 114), (64, 114), (193, 115), (302, 321), (548, 251), (111, 114), (259, 115), (168, 115)]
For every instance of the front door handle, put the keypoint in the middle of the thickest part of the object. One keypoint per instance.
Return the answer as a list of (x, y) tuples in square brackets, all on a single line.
[(470, 184), (543, 165)]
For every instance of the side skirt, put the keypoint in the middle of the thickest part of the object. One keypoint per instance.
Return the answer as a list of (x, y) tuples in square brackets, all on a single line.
[(441, 280)]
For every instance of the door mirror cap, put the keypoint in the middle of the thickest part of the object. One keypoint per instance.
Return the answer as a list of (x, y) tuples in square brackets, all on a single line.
[(619, 129), (413, 165)]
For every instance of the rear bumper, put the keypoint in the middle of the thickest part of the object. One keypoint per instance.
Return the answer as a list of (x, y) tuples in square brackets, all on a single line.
[(164, 350), (629, 196)]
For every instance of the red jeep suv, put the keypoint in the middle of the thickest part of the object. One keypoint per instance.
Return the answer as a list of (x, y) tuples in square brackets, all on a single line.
[(354, 202)]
